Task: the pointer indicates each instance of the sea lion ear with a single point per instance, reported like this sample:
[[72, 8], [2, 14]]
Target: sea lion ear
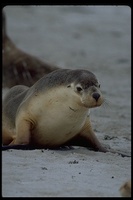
[[68, 86]]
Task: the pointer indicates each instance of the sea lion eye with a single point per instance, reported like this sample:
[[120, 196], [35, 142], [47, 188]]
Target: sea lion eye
[[79, 88], [97, 85]]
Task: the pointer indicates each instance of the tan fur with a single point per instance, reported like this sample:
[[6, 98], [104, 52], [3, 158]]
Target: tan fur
[[53, 119], [125, 189]]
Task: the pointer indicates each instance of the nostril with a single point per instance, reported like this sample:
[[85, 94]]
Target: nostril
[[96, 95]]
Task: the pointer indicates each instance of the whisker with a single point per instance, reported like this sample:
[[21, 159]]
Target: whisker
[[107, 104]]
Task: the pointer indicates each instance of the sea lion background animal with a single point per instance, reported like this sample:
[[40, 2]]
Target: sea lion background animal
[[53, 112], [20, 67]]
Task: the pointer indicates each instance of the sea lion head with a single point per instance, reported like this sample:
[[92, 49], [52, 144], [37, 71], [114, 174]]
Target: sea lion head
[[80, 85], [86, 86]]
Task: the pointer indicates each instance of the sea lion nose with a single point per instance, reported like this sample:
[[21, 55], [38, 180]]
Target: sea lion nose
[[96, 96]]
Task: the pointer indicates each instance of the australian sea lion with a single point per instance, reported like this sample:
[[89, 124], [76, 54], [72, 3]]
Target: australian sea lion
[[20, 67], [53, 112]]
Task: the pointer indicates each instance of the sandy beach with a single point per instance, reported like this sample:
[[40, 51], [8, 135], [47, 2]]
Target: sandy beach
[[97, 38]]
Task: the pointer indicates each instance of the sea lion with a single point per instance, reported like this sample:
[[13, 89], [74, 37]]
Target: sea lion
[[20, 67], [125, 189], [53, 112]]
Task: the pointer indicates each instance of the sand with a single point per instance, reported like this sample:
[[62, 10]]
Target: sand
[[97, 38]]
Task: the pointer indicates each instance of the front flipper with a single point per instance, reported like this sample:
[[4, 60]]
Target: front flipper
[[87, 138], [21, 139], [23, 132]]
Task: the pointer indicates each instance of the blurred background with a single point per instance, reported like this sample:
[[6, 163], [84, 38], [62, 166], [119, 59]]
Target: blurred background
[[73, 36]]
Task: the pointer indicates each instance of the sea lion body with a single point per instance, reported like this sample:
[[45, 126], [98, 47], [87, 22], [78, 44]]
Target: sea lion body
[[53, 112], [56, 119]]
